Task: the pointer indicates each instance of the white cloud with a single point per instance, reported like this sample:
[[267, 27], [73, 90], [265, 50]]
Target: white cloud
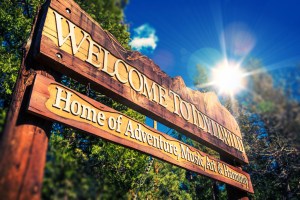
[[144, 39], [139, 43]]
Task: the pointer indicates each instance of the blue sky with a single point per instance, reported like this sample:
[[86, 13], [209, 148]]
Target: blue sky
[[178, 34], [190, 32]]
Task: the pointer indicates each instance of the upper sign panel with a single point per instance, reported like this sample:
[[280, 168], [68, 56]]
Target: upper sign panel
[[73, 43]]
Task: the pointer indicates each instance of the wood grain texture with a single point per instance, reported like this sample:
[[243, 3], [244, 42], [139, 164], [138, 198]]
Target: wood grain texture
[[77, 67], [23, 144], [46, 101]]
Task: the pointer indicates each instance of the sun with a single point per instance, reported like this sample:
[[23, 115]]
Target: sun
[[228, 77]]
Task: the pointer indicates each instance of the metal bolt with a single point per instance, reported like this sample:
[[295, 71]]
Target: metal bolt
[[35, 189], [58, 55]]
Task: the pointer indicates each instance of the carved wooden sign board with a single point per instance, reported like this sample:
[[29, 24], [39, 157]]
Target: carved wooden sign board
[[71, 42], [56, 102]]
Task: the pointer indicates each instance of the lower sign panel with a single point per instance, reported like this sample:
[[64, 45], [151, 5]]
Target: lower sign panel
[[54, 101]]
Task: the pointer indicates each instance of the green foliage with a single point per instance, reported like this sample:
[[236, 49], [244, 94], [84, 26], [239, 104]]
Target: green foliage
[[270, 124], [109, 14], [9, 65], [265, 106], [84, 167], [164, 182]]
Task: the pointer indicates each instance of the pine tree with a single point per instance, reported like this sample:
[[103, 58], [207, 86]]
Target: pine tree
[[271, 125]]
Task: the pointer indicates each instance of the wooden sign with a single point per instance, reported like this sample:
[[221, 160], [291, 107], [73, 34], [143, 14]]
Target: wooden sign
[[71, 42], [54, 101]]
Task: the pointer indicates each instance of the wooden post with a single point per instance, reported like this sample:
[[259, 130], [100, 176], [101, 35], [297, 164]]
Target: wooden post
[[23, 146], [24, 142], [215, 190], [22, 161], [234, 193]]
